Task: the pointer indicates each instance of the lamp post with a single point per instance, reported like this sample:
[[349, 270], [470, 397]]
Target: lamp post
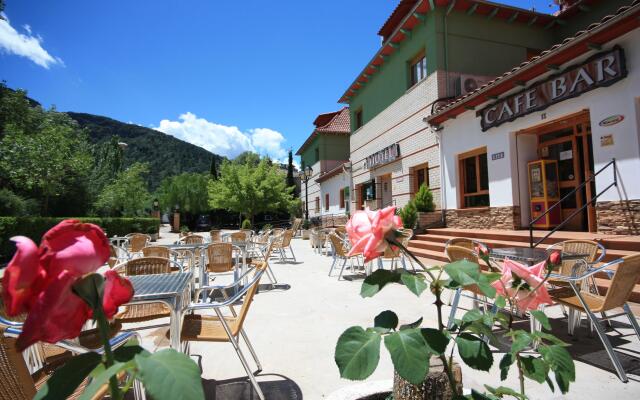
[[306, 174]]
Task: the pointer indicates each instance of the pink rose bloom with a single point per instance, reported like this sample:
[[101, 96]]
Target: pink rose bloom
[[513, 274], [368, 230], [40, 280], [117, 291]]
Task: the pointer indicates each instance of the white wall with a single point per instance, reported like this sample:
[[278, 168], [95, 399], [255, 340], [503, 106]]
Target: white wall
[[314, 191], [463, 134], [332, 186]]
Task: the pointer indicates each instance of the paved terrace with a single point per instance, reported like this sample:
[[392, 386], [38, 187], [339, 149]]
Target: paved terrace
[[294, 328]]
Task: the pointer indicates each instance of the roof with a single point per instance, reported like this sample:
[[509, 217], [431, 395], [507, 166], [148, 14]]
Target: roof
[[330, 174], [333, 123], [609, 28], [409, 19]]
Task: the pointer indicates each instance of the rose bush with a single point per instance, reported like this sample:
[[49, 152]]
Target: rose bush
[[368, 231]]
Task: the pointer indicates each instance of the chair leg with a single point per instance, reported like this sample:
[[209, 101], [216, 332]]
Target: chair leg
[[454, 307], [272, 277], [292, 254], [342, 269], [251, 350], [333, 265], [632, 319]]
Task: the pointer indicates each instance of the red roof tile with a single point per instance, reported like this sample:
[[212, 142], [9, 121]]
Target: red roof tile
[[334, 123], [402, 9]]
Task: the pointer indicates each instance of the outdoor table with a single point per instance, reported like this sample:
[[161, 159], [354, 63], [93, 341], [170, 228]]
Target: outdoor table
[[523, 254], [118, 241], [192, 248], [170, 289]]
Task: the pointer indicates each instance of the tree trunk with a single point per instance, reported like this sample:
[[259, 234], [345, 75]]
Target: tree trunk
[[435, 386]]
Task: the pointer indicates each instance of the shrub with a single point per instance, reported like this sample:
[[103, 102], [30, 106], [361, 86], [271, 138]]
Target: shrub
[[267, 227], [16, 206], [424, 199], [35, 227], [306, 224], [409, 215], [246, 224]]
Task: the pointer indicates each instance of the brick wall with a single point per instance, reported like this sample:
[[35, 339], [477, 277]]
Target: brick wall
[[619, 217], [484, 218]]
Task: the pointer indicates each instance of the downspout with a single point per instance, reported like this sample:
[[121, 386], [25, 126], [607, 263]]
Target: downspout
[[443, 192]]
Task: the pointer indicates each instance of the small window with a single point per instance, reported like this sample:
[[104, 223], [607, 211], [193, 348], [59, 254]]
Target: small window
[[418, 69], [317, 204], [420, 175], [317, 154], [358, 118], [326, 201], [342, 198], [474, 179]]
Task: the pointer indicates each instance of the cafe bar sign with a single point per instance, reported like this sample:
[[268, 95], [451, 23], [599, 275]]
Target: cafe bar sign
[[603, 69], [384, 156]]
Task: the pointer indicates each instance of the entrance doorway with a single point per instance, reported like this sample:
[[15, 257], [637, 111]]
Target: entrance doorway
[[568, 141], [387, 197]]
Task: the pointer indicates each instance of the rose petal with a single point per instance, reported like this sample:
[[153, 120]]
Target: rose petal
[[117, 291], [23, 278]]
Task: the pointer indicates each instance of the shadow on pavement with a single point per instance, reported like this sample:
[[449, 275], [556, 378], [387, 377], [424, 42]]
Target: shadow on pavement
[[274, 387]]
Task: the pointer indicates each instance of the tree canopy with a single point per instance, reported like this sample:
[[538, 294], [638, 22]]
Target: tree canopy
[[250, 189], [127, 195], [189, 191]]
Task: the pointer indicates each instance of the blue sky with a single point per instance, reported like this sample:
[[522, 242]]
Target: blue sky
[[223, 74]]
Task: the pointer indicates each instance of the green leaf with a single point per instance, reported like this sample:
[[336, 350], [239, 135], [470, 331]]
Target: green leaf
[[412, 325], [505, 363], [472, 315], [409, 354], [561, 364], [436, 340], [534, 368], [500, 302], [128, 352], [542, 317], [415, 283], [101, 379], [474, 352], [89, 288], [550, 383], [501, 391], [520, 341], [357, 353], [168, 375], [475, 395], [549, 337], [375, 282], [386, 319], [466, 273], [67, 378]]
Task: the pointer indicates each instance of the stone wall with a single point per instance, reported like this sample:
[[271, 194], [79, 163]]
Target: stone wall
[[619, 217], [484, 218], [329, 221], [429, 219]]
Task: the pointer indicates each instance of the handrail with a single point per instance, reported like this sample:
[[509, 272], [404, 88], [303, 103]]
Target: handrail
[[557, 204]]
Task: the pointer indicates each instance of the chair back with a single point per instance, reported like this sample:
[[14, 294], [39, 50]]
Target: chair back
[[338, 245], [277, 231], [588, 247], [16, 382], [192, 239], [156, 251], [138, 241], [238, 237], [459, 253], [148, 266], [113, 256], [462, 242], [220, 257], [216, 235], [248, 297], [286, 237], [296, 224], [623, 282], [247, 233]]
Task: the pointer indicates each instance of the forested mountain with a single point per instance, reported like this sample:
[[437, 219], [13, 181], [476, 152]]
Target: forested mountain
[[166, 155]]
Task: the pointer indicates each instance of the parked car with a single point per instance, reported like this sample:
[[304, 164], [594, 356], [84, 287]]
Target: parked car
[[203, 223]]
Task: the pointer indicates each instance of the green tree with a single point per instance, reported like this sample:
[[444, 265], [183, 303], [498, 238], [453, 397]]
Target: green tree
[[214, 169], [247, 157], [409, 215], [41, 151], [290, 181], [250, 190], [107, 165], [424, 199], [189, 191], [127, 195]]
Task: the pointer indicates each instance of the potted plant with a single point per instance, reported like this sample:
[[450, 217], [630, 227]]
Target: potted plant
[[153, 232], [306, 225], [426, 207], [415, 350]]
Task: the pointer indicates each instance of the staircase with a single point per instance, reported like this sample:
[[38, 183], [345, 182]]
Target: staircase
[[429, 247]]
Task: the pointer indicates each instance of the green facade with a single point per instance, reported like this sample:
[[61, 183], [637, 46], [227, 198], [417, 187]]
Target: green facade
[[329, 147]]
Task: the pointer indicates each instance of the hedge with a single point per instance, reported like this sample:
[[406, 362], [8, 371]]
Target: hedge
[[35, 227]]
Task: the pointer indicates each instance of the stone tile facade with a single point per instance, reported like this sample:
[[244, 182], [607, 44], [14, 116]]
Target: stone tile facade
[[619, 217], [484, 218]]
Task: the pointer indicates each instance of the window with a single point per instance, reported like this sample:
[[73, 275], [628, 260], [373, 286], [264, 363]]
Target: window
[[420, 175], [358, 118], [326, 201], [474, 179], [418, 69], [342, 197], [317, 154], [317, 204]]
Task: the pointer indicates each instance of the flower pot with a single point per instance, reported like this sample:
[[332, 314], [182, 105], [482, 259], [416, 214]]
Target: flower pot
[[435, 386], [305, 234]]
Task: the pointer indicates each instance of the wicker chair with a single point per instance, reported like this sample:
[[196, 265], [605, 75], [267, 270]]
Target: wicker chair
[[219, 257], [221, 328], [623, 280], [248, 233], [340, 253], [137, 241], [462, 242], [282, 243], [395, 254], [191, 239], [156, 251], [216, 235], [148, 311], [570, 265], [237, 237]]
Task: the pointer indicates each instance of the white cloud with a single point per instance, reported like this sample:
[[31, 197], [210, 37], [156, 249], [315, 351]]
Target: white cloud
[[225, 140], [25, 45]]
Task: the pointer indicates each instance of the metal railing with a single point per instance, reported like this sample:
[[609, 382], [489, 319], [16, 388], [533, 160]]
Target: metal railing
[[533, 244]]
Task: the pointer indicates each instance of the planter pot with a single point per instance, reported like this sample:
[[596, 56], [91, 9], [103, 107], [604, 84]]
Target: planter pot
[[429, 219], [154, 237], [364, 391], [435, 386], [305, 234]]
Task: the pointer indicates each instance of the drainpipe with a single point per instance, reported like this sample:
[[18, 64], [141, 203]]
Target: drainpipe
[[443, 192]]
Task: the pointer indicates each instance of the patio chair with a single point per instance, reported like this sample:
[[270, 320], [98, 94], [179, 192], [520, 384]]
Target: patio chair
[[248, 233], [219, 258], [395, 254], [341, 253], [137, 241], [221, 328], [282, 243], [216, 235], [264, 258], [295, 226], [238, 237], [462, 242], [459, 253], [594, 253], [623, 280], [191, 239], [148, 311]]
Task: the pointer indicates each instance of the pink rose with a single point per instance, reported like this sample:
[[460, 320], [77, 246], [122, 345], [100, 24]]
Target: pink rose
[[555, 258], [368, 231], [23, 278], [516, 275], [117, 291]]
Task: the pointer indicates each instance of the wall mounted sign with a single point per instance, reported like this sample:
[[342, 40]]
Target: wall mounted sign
[[497, 156], [612, 120], [384, 156], [602, 69], [606, 140]]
